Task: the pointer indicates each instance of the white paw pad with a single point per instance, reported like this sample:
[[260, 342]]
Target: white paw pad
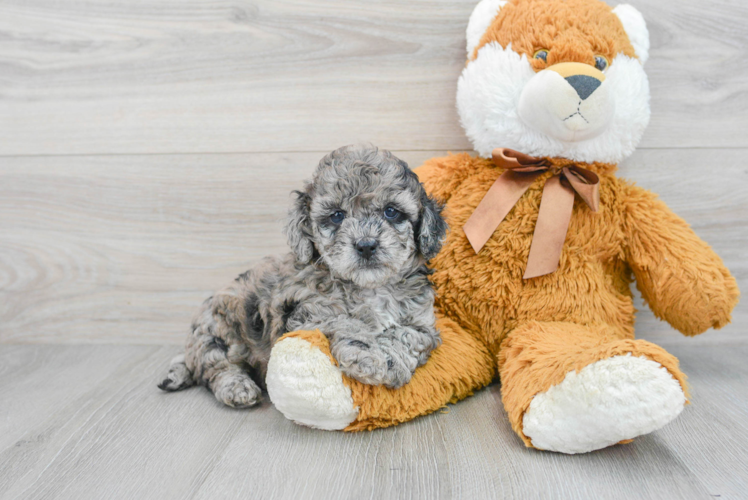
[[606, 402], [307, 388]]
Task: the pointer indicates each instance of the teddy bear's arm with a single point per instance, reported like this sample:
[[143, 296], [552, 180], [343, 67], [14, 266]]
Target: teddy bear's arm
[[682, 279], [441, 176]]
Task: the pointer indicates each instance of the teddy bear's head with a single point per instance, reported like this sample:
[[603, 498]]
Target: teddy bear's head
[[556, 78]]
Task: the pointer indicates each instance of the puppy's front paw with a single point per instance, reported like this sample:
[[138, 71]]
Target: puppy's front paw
[[360, 360], [373, 364], [400, 363], [236, 390]]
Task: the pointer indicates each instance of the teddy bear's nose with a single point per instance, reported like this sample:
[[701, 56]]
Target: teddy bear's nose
[[584, 85], [583, 78]]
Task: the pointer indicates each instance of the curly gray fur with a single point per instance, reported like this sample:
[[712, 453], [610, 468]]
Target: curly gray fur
[[361, 280]]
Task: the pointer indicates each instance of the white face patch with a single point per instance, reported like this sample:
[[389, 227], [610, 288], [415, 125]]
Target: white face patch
[[552, 106], [491, 89]]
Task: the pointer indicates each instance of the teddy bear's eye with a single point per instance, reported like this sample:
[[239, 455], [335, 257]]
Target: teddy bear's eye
[[601, 63], [541, 54]]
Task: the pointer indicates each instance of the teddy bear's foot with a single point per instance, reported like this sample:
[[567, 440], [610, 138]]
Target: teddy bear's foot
[[306, 386], [573, 388], [609, 401]]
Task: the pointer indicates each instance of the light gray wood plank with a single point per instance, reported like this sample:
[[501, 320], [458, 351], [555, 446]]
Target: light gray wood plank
[[112, 434], [716, 428], [93, 248], [200, 76], [123, 249]]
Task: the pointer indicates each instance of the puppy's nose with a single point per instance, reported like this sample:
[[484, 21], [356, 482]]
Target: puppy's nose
[[366, 248], [584, 85]]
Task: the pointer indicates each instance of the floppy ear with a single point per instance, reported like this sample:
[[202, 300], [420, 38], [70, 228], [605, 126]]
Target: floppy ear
[[480, 20], [299, 227], [431, 228], [636, 29]]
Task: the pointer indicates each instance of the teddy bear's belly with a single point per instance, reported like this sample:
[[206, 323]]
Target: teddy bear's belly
[[487, 294]]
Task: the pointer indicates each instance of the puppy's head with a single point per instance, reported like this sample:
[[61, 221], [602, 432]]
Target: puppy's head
[[366, 216]]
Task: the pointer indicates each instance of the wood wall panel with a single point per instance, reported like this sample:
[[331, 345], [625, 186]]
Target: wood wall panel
[[205, 76], [124, 248]]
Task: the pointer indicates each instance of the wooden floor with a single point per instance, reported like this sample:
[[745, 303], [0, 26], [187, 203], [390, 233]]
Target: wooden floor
[[88, 422], [147, 152]]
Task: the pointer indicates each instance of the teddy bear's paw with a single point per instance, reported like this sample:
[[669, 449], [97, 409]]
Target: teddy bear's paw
[[307, 387], [606, 402]]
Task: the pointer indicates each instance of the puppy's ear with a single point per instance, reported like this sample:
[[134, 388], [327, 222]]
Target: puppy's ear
[[299, 227], [432, 228]]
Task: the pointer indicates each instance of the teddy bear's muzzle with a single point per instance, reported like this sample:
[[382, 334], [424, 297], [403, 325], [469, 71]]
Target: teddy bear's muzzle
[[568, 102]]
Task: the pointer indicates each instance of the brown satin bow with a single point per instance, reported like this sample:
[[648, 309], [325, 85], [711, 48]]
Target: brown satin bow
[[556, 205]]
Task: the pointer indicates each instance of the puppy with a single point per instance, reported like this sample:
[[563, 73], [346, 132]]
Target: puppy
[[361, 232]]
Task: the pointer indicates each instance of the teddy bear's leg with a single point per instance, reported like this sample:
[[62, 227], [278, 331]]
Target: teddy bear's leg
[[305, 384], [574, 389]]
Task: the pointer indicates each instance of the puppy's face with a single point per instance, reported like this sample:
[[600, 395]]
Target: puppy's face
[[366, 216]]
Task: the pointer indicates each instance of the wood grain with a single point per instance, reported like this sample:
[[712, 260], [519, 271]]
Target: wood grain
[[123, 249], [94, 248], [88, 422], [148, 151], [207, 76]]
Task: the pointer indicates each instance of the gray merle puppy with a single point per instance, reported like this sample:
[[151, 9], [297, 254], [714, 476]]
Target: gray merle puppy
[[361, 232]]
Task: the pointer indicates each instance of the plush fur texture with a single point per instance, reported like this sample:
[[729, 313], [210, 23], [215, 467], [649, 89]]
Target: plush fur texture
[[604, 403], [578, 315], [636, 30], [306, 385], [537, 111], [539, 356], [457, 367], [373, 301], [554, 338], [480, 20]]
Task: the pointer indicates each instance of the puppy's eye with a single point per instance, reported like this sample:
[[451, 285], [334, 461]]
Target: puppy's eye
[[391, 213], [541, 54], [337, 217], [601, 63]]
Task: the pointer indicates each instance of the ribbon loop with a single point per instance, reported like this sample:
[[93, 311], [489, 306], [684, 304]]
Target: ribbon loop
[[586, 183], [518, 162], [556, 205]]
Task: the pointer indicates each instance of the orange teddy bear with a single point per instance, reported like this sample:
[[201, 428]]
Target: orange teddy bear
[[533, 281]]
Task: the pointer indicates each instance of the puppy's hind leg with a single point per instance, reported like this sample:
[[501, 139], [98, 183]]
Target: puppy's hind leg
[[216, 356], [233, 387], [179, 376]]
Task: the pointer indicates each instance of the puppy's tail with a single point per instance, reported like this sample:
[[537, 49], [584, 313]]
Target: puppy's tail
[[179, 376]]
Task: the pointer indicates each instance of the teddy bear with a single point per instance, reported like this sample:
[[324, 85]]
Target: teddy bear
[[533, 280]]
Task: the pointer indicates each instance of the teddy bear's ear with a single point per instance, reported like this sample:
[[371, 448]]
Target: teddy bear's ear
[[480, 20], [636, 29]]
